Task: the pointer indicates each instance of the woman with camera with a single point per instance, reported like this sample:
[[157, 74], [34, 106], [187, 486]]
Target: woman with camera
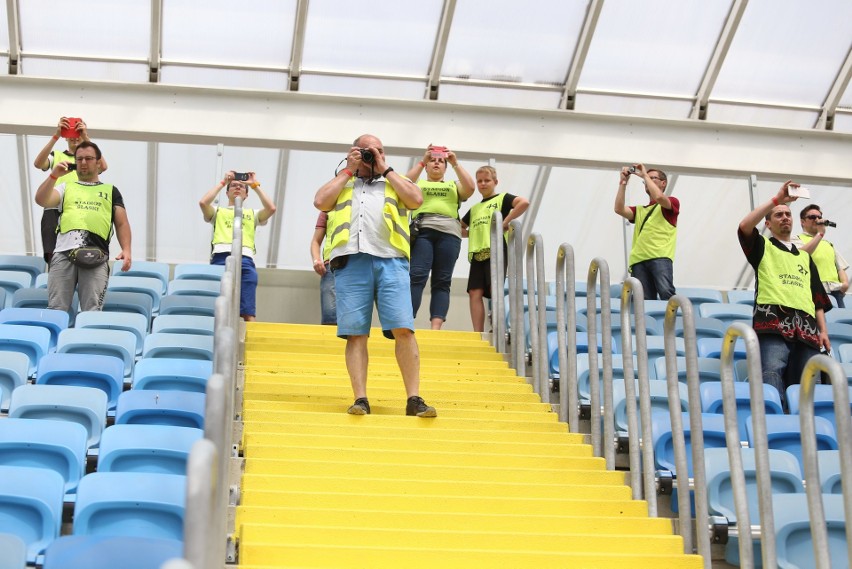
[[435, 229]]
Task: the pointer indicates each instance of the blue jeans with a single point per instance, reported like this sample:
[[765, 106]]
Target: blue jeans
[[783, 362], [656, 278], [328, 301], [437, 252], [248, 283], [839, 297]]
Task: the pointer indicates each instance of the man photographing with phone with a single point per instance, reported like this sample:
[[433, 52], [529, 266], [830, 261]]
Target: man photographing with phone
[[830, 263]]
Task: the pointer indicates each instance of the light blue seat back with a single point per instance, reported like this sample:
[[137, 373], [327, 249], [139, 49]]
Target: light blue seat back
[[709, 369], [829, 471], [95, 341], [727, 312], [704, 328], [149, 407], [14, 370], [711, 401], [14, 552], [794, 542], [656, 347], [170, 374], [839, 333], [845, 353], [840, 315], [197, 271], [110, 552], [712, 348], [188, 304], [661, 429], [59, 446], [132, 322], [41, 280], [120, 301], [130, 504], [33, 341], [55, 321], [30, 264], [83, 405], [823, 401], [31, 506], [195, 287], [783, 432], [583, 383], [656, 309], [184, 324], [745, 296], [582, 348], [147, 448], [146, 285], [104, 372], [149, 269], [186, 346], [700, 296], [659, 400], [11, 281]]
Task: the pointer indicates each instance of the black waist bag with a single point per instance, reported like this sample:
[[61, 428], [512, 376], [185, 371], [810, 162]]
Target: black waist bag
[[87, 257]]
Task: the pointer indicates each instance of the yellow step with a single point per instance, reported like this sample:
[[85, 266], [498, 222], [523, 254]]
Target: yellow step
[[447, 350], [465, 376], [389, 402], [385, 390], [456, 382], [316, 362]]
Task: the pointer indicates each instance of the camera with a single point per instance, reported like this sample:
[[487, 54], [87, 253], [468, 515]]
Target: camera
[[439, 152], [71, 166], [827, 223], [241, 176], [631, 169], [366, 156]]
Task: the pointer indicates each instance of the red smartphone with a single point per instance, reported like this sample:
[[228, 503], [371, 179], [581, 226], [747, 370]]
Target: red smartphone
[[439, 152], [71, 131]]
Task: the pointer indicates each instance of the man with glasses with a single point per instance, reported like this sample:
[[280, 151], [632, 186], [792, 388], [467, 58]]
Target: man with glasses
[[88, 209], [790, 302], [654, 233], [830, 263]]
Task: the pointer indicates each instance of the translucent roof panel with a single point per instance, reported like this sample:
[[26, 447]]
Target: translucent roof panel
[[748, 114], [505, 42], [499, 97], [786, 51], [85, 70], [4, 30], [633, 106], [113, 29], [843, 122], [361, 87], [401, 43], [12, 235], [223, 78], [256, 33], [658, 47]]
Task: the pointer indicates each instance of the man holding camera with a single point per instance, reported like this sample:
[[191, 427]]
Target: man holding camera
[[830, 263], [222, 218], [88, 211], [790, 302], [367, 204], [654, 233]]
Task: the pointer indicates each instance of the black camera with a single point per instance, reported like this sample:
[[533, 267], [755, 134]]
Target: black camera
[[632, 169], [827, 223], [72, 166], [241, 176], [367, 156]]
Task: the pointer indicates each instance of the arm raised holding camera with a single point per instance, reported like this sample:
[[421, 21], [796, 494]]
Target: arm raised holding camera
[[326, 196], [269, 208]]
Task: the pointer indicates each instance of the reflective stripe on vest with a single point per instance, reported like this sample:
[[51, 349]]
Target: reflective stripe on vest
[[657, 237], [438, 197], [479, 232], [223, 228], [784, 278], [824, 259], [88, 208]]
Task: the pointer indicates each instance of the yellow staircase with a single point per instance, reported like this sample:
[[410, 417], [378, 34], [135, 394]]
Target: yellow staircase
[[494, 481]]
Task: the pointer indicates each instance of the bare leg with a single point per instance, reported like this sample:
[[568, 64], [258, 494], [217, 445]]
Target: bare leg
[[248, 318], [356, 363], [477, 309], [408, 359], [437, 323]]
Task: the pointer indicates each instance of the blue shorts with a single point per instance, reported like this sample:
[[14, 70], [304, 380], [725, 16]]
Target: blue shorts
[[366, 279], [248, 283]]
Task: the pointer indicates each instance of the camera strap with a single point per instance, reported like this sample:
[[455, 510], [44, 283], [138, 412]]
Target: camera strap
[[644, 221]]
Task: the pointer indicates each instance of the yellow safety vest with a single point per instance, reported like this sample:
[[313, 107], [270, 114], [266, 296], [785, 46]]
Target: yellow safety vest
[[824, 259], [479, 232], [59, 156], [88, 208], [438, 197], [223, 227], [654, 238], [785, 279]]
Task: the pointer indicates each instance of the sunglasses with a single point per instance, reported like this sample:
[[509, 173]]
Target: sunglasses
[[813, 217]]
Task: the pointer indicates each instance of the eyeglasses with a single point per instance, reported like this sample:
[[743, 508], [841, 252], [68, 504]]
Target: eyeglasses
[[86, 158], [813, 217]]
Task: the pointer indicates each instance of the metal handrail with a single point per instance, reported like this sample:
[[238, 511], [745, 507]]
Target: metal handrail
[[516, 297], [760, 445], [536, 301], [202, 474], [599, 270], [566, 337], [498, 308], [843, 424], [696, 427]]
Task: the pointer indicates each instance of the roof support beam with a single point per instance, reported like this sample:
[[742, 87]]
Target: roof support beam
[[275, 223], [14, 36], [829, 107], [155, 50], [541, 178], [191, 115], [298, 48], [587, 32], [26, 199], [152, 183], [440, 49], [729, 30]]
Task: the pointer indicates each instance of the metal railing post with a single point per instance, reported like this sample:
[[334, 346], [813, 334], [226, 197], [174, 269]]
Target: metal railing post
[[237, 255], [566, 335], [202, 480], [537, 308], [516, 297], [599, 270], [498, 308]]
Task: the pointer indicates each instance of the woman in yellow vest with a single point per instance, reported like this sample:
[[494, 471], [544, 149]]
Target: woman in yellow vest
[[436, 231], [222, 219]]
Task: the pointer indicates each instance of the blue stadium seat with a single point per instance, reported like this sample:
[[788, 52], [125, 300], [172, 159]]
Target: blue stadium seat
[[130, 504], [37, 298], [583, 387], [55, 321], [188, 304], [149, 269], [727, 312], [14, 552], [195, 287], [823, 401], [110, 552], [615, 307], [14, 371], [59, 446], [41, 280], [184, 324], [3, 298], [783, 433], [145, 285], [655, 346], [117, 343], [149, 407], [712, 348], [700, 296], [582, 348], [32, 341], [161, 449], [659, 400], [704, 328], [839, 333], [742, 296], [31, 506], [794, 543], [709, 369], [170, 374], [11, 281], [131, 322], [652, 328], [102, 372], [711, 401], [829, 471], [82, 405], [138, 302], [661, 429], [185, 346], [197, 271], [844, 351], [30, 264], [656, 309], [839, 315]]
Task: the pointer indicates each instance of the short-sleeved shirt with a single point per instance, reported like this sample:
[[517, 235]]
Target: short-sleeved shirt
[[790, 323], [226, 247], [504, 211], [368, 232], [80, 237], [322, 220]]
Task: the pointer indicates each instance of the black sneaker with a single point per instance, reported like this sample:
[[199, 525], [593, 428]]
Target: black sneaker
[[416, 406], [360, 407]]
